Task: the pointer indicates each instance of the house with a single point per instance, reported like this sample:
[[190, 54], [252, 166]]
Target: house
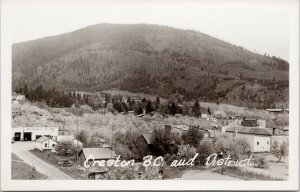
[[253, 122], [259, 139], [279, 135], [45, 143], [97, 173], [97, 153], [70, 138], [33, 133], [176, 129]]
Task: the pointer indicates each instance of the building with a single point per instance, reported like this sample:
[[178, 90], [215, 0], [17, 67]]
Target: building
[[176, 129], [17, 97], [97, 173], [259, 139], [45, 143], [97, 153], [33, 133], [253, 122], [204, 115], [71, 139]]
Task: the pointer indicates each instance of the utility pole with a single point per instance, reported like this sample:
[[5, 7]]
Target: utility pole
[[77, 133]]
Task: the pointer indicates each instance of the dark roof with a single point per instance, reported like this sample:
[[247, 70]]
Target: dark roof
[[249, 123], [274, 110], [147, 137], [98, 153], [249, 130]]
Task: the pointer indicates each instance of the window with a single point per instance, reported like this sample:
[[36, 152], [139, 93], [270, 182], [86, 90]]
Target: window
[[268, 142], [257, 143], [45, 144], [53, 145]]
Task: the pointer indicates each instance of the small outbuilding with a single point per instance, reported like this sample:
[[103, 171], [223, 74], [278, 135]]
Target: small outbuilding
[[45, 143]]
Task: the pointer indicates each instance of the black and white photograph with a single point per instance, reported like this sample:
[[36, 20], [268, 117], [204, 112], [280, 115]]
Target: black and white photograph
[[133, 91]]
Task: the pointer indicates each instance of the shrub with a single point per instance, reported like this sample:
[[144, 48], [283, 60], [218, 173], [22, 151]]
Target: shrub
[[205, 149], [260, 162], [65, 148], [186, 152], [192, 137], [279, 151], [164, 143], [133, 142], [237, 149]]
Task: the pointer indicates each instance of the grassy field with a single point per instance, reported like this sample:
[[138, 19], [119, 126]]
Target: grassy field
[[23, 171], [53, 159]]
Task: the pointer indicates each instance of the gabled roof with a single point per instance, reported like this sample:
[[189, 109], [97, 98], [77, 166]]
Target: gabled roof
[[98, 153], [43, 139], [249, 130]]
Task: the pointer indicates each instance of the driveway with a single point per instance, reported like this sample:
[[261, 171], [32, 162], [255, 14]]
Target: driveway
[[21, 150]]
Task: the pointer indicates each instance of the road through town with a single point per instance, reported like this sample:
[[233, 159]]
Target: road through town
[[21, 150]]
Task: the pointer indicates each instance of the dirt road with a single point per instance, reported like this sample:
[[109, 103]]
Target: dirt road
[[21, 150]]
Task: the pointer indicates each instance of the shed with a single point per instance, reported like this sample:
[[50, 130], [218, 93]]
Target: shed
[[45, 143]]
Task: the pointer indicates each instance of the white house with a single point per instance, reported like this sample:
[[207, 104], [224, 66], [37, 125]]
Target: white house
[[70, 138], [259, 139], [33, 133], [45, 143]]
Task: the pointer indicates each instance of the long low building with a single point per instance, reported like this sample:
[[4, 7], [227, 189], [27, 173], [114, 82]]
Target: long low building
[[33, 133], [259, 139]]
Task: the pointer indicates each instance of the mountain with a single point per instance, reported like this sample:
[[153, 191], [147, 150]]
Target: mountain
[[151, 59]]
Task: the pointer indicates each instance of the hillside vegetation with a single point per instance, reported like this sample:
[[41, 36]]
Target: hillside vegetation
[[154, 60]]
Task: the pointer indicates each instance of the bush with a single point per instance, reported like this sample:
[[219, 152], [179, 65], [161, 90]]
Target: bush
[[205, 149], [237, 149], [164, 143], [260, 162], [186, 152], [134, 145], [192, 137], [65, 148], [279, 151]]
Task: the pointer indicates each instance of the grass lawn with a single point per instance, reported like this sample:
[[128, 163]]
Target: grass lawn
[[246, 175], [23, 171], [53, 159]]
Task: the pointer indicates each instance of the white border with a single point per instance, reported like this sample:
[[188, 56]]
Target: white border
[[8, 184]]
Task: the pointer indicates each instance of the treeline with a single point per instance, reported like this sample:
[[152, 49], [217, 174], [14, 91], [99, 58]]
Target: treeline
[[53, 97]]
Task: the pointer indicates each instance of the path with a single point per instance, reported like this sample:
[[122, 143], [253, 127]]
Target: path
[[21, 150]]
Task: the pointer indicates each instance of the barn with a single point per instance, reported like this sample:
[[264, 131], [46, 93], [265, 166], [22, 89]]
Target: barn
[[33, 133], [45, 143]]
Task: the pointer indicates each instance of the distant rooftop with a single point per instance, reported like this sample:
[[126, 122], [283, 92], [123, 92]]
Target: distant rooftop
[[249, 130], [98, 153]]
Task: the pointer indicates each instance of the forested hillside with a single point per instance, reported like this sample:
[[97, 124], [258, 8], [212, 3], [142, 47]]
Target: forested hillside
[[151, 59]]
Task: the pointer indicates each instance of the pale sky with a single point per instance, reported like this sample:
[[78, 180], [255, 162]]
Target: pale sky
[[261, 26]]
